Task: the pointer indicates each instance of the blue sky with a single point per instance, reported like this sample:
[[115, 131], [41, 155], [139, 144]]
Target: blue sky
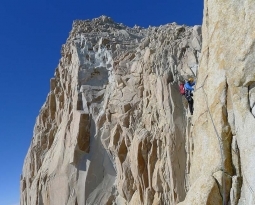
[[31, 36]]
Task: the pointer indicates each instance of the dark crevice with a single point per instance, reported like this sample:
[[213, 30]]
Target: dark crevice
[[251, 87], [235, 158], [218, 185], [237, 178]]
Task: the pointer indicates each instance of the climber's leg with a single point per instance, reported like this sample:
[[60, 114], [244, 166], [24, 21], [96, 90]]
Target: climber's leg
[[191, 102]]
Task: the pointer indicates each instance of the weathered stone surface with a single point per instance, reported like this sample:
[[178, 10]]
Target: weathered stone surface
[[113, 128], [224, 102], [204, 191]]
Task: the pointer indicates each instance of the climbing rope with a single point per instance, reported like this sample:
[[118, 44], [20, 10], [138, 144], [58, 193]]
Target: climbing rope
[[217, 134], [224, 202], [221, 149]]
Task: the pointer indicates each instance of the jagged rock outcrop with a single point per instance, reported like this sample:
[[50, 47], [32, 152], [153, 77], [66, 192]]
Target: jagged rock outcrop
[[223, 139], [113, 129]]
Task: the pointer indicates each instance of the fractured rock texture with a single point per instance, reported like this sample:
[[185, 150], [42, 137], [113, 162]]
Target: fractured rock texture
[[223, 139], [113, 129]]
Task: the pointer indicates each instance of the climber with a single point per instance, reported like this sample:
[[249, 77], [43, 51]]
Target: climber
[[188, 93]]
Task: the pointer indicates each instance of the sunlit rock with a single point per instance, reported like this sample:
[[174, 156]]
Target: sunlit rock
[[113, 127]]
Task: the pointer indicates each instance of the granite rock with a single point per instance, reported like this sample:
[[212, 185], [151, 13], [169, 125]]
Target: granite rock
[[113, 127]]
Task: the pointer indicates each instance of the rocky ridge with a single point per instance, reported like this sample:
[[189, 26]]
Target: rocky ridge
[[113, 129]]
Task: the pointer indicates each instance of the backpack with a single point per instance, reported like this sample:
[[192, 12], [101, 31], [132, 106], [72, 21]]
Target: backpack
[[182, 89]]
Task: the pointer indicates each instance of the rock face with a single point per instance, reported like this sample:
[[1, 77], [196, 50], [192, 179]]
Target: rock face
[[223, 139], [113, 129]]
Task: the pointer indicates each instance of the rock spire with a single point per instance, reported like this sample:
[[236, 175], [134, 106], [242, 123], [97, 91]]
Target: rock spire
[[113, 129]]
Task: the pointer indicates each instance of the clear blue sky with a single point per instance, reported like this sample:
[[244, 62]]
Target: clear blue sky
[[31, 36]]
